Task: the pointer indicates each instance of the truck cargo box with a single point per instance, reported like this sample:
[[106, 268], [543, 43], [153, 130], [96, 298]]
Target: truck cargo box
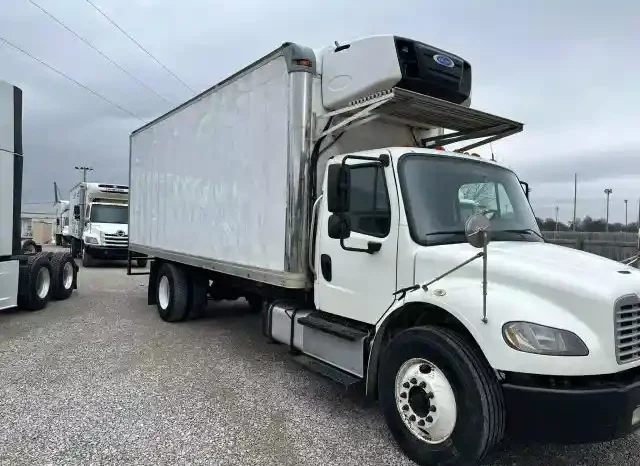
[[219, 181]]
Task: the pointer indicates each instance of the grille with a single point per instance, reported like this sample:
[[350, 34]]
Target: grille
[[116, 240], [627, 325]]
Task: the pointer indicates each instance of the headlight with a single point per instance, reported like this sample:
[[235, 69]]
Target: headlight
[[539, 339], [90, 240]]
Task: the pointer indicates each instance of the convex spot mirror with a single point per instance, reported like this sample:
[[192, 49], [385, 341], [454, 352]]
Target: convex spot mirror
[[338, 187], [339, 227], [477, 229]]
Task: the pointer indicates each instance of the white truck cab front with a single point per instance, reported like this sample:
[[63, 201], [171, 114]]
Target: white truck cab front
[[562, 327]]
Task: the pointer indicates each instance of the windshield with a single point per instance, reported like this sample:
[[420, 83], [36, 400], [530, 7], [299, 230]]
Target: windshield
[[441, 192], [102, 213]]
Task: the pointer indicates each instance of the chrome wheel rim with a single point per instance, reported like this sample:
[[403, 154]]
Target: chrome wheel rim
[[425, 401], [43, 282], [67, 275], [164, 292]]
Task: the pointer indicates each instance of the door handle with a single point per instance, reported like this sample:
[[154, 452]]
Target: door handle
[[325, 266]]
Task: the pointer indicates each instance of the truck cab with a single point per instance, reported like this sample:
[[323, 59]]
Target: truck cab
[[99, 224], [61, 226]]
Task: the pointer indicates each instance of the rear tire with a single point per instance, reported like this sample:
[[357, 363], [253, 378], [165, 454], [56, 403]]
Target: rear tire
[[34, 289], [64, 275], [198, 295], [255, 303], [477, 408], [172, 293]]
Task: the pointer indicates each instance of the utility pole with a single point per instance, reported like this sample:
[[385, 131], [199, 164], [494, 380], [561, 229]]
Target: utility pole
[[575, 198], [84, 172], [626, 221], [608, 192], [557, 209]]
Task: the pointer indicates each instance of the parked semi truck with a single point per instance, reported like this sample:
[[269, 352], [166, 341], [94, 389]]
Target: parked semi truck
[[99, 222], [316, 184], [27, 281]]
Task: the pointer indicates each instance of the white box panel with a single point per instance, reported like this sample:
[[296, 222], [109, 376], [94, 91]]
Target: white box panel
[[210, 179]]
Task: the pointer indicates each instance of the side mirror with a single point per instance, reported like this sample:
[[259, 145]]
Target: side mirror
[[478, 230], [338, 187], [57, 221], [339, 227], [525, 188]]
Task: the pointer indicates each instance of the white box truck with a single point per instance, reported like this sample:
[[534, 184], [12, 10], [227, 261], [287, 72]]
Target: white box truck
[[315, 184], [99, 222], [27, 281]]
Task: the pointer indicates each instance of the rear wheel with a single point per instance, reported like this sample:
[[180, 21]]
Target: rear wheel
[[34, 289], [63, 275], [255, 303], [172, 293], [440, 399]]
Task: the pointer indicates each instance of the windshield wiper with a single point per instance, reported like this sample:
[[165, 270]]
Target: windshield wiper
[[450, 232], [524, 231]]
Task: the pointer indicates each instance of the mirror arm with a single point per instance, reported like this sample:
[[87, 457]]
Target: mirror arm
[[372, 247]]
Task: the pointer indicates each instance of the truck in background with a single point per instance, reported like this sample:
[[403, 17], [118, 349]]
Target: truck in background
[[99, 222], [316, 184], [61, 213], [27, 281]]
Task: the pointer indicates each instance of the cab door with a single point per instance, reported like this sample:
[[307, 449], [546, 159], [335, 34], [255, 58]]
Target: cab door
[[356, 278]]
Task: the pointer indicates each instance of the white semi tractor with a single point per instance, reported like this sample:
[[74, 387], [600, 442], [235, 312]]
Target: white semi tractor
[[27, 281], [315, 184], [99, 215]]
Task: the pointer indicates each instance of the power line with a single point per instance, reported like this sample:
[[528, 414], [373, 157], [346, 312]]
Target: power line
[[98, 51], [110, 102], [139, 46]]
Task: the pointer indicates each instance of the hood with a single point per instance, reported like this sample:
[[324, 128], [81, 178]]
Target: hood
[[539, 268], [108, 228]]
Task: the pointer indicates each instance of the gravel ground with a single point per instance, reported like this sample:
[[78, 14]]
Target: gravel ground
[[100, 379]]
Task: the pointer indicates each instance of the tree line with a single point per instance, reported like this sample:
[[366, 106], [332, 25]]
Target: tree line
[[586, 224]]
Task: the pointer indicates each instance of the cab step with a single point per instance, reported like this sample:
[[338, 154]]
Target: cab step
[[326, 370], [322, 322]]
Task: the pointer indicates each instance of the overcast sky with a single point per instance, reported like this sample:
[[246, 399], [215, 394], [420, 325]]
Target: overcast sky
[[568, 70]]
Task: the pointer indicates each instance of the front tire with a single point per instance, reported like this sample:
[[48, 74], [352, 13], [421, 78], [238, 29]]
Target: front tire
[[87, 260], [440, 398], [172, 293], [34, 289]]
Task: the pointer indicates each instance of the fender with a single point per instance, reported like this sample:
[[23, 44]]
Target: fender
[[419, 297]]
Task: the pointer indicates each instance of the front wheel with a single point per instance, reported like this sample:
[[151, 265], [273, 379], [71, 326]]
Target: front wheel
[[440, 398], [87, 260]]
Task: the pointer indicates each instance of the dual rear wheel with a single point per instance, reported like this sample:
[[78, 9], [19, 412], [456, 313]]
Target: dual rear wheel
[[44, 277]]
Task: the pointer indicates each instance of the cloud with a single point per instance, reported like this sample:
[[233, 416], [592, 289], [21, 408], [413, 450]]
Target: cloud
[[564, 69]]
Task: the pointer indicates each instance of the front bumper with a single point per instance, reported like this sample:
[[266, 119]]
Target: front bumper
[[106, 252], [575, 410]]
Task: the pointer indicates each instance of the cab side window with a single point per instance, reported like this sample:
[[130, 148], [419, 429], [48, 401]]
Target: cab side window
[[370, 211]]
